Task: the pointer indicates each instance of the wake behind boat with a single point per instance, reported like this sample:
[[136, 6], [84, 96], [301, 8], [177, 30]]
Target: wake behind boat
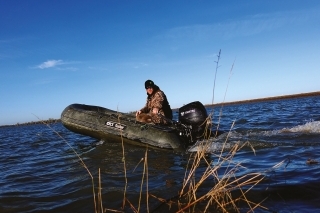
[[106, 124]]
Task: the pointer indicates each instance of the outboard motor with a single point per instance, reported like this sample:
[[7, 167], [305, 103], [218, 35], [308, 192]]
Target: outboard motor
[[193, 117]]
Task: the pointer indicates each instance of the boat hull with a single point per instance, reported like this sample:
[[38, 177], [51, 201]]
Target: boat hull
[[106, 124]]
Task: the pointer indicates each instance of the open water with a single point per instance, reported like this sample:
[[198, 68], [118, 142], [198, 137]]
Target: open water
[[39, 172]]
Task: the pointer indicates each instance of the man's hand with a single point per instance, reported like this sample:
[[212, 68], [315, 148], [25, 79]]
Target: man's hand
[[138, 112], [155, 110]]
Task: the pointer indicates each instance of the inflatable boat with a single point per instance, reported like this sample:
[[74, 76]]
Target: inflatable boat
[[105, 124]]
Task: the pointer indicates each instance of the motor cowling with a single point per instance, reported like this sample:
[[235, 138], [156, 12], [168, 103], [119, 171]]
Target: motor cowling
[[193, 116]]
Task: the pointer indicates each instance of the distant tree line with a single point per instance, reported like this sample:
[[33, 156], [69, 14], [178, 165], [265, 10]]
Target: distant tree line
[[282, 97], [49, 121]]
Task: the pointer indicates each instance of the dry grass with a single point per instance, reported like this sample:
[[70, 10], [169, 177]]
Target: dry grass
[[224, 174], [195, 195], [192, 197]]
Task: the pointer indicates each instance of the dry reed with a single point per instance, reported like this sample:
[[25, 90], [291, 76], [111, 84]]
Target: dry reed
[[98, 206], [191, 197]]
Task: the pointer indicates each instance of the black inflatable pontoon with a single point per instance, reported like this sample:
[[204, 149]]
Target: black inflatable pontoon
[[106, 124]]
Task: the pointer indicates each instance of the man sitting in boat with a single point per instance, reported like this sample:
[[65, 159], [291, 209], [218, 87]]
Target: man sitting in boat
[[157, 109]]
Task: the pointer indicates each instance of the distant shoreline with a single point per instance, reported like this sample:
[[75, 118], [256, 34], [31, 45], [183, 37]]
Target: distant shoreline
[[49, 121], [282, 97]]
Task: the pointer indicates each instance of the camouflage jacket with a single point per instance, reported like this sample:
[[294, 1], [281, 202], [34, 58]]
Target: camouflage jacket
[[158, 100]]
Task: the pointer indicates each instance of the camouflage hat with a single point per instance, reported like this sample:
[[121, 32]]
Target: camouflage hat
[[148, 83]]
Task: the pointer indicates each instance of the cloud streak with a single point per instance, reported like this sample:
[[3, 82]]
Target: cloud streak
[[50, 64], [247, 26]]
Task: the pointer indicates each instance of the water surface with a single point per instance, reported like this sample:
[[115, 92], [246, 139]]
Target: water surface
[[40, 172]]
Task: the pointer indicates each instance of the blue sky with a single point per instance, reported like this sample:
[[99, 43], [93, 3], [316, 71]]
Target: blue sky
[[55, 53]]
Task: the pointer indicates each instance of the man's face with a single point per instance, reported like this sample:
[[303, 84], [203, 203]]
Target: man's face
[[149, 90]]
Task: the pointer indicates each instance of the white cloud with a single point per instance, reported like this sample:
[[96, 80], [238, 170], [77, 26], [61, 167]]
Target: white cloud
[[50, 64]]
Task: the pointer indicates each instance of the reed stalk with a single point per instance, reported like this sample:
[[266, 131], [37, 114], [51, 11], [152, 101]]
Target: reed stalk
[[96, 202], [220, 196], [222, 172], [124, 166]]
